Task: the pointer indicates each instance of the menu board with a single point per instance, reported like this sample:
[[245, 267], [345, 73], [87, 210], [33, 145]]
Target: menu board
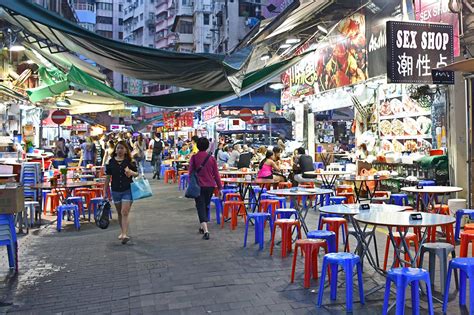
[[403, 124]]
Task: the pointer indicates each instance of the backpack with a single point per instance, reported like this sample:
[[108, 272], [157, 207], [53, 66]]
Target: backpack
[[157, 147], [102, 215]]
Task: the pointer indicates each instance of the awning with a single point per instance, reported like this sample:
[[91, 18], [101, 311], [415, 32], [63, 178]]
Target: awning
[[81, 103], [466, 65], [252, 101]]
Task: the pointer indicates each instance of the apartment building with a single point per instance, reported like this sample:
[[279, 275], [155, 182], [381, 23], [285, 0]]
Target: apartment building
[[62, 7]]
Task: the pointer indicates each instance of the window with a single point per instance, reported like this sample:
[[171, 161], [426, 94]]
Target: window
[[186, 27], [141, 17], [206, 19], [207, 48], [152, 1], [104, 20], [120, 35], [104, 6], [120, 7], [141, 1], [120, 21]]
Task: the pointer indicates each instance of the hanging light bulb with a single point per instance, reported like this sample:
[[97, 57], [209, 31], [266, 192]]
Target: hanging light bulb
[[293, 40], [16, 48], [322, 29], [265, 57]]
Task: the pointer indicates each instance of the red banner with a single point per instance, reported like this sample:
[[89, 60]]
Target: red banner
[[175, 121], [210, 113]]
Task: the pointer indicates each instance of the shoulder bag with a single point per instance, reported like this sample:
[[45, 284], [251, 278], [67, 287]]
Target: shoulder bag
[[194, 190], [140, 187]]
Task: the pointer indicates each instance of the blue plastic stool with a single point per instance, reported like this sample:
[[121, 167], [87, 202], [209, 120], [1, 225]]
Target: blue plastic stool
[[402, 277], [218, 205], [265, 196], [459, 214], [254, 192], [183, 181], [324, 199], [328, 236], [466, 267], [337, 200], [61, 210], [318, 165], [399, 199], [282, 200], [230, 186], [259, 219], [226, 191], [284, 213], [347, 261], [8, 238], [427, 182], [164, 168], [79, 202]]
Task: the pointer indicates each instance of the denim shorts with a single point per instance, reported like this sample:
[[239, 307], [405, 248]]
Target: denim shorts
[[119, 196]]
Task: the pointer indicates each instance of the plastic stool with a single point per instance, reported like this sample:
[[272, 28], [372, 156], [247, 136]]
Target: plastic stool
[[337, 200], [333, 224], [236, 208], [466, 267], [459, 214], [97, 192], [283, 185], [285, 225], [226, 191], [427, 182], [269, 206], [281, 200], [310, 248], [170, 174], [52, 200], [233, 196], [218, 205], [284, 213], [259, 219], [265, 196], [469, 227], [402, 277], [348, 195], [399, 199], [66, 208], [328, 236], [79, 202], [87, 195], [410, 237], [441, 250], [344, 189], [466, 238], [255, 192], [318, 165], [183, 181], [347, 261], [31, 208]]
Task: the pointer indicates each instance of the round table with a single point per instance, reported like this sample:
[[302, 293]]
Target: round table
[[237, 173], [300, 192], [328, 177], [361, 182], [429, 195], [402, 219]]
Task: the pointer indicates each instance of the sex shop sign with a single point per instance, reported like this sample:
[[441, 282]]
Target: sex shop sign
[[415, 50]]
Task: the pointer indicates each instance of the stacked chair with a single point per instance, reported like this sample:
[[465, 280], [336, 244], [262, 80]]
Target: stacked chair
[[8, 239], [30, 176]]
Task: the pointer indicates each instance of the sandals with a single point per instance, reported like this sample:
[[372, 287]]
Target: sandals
[[125, 240]]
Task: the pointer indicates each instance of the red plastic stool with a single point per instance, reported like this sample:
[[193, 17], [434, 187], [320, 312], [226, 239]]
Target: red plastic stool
[[233, 196], [87, 195], [310, 248], [286, 226], [344, 189], [410, 237], [469, 227], [52, 202], [97, 192], [266, 203], [283, 185], [170, 174], [349, 196], [333, 224], [466, 238], [236, 208]]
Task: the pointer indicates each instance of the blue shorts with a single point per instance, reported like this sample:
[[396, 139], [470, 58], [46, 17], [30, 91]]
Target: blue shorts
[[119, 196]]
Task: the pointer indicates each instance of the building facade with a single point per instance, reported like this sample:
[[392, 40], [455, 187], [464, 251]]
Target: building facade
[[62, 7]]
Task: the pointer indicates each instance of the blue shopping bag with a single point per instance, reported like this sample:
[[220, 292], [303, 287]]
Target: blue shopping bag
[[140, 188]]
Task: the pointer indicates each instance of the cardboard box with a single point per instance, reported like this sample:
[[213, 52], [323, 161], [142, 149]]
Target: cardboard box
[[12, 200]]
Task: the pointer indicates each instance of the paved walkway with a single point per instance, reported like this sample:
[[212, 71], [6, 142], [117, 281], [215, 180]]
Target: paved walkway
[[166, 269]]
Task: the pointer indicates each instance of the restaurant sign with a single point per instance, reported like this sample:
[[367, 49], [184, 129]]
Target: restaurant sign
[[210, 113], [415, 49]]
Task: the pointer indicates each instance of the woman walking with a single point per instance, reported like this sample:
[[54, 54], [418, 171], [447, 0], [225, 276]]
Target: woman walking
[[121, 169], [205, 166], [139, 149]]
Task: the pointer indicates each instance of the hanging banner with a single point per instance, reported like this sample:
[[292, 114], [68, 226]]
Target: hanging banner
[[414, 49], [210, 113], [437, 11], [185, 119]]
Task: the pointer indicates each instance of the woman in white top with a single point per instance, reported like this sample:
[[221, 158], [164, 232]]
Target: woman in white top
[[108, 152]]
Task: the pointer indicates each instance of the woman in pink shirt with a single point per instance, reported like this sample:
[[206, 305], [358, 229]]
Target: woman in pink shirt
[[208, 178], [267, 166]]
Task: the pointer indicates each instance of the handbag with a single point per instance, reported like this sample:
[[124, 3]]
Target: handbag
[[102, 215], [140, 188], [194, 190]]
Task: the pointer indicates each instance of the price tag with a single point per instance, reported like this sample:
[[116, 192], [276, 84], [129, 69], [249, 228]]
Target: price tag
[[364, 207], [419, 187], [416, 216]]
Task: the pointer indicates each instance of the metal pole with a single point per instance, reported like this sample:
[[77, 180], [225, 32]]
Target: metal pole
[[468, 89], [270, 122]]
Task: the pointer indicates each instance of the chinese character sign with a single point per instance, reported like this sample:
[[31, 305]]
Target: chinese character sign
[[415, 49]]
